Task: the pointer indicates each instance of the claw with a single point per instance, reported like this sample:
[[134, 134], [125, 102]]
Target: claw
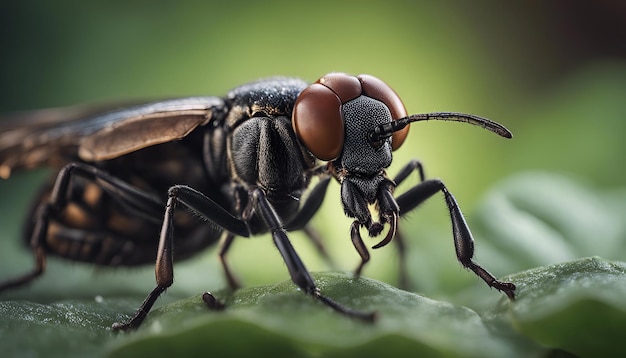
[[392, 232]]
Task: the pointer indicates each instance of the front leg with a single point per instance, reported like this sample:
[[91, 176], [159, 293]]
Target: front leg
[[463, 240]]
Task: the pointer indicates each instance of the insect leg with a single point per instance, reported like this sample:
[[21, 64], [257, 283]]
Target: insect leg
[[463, 240], [299, 274], [310, 206], [40, 265], [410, 167], [37, 245], [308, 209], [204, 207], [403, 272], [233, 282], [134, 199], [314, 236]]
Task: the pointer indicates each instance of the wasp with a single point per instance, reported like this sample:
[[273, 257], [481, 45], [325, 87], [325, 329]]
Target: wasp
[[132, 182]]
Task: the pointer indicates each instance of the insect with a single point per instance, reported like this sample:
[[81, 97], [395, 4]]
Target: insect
[[132, 182]]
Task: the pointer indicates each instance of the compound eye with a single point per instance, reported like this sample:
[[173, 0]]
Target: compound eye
[[318, 123], [346, 87], [377, 89]]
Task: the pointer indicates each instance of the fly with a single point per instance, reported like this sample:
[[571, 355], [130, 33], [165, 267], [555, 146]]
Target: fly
[[131, 181]]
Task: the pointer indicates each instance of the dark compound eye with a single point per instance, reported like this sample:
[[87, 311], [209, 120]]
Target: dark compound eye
[[317, 119], [377, 89]]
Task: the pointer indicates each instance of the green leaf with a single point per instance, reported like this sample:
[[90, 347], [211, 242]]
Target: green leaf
[[278, 319], [576, 306], [60, 329], [298, 324]]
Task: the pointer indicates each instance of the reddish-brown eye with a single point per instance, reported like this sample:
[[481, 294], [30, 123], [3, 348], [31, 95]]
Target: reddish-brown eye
[[377, 89], [346, 87], [318, 123]]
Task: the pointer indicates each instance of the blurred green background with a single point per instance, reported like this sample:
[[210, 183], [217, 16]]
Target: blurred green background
[[554, 74]]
